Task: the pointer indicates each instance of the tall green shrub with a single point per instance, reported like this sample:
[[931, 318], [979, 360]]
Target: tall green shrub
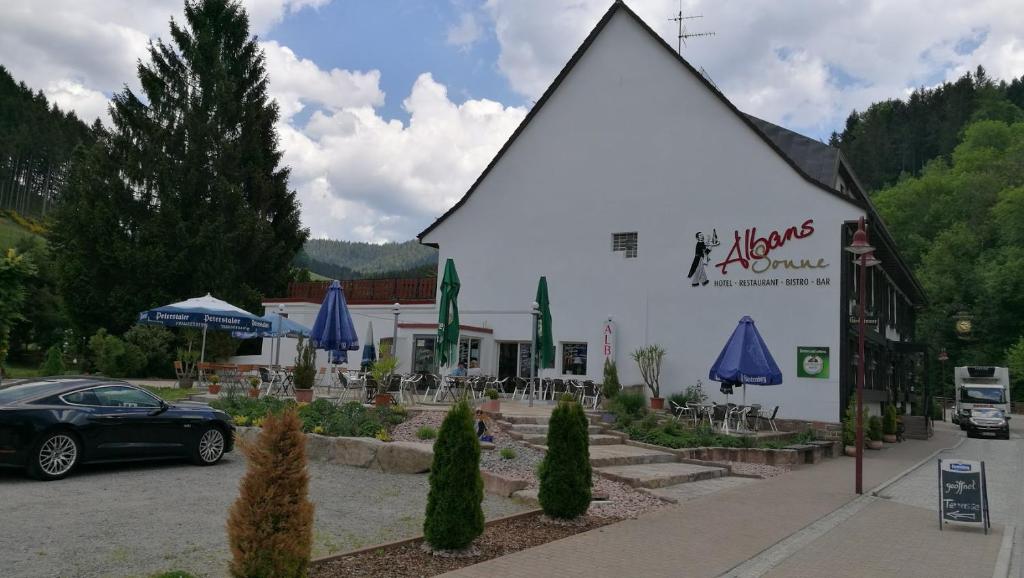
[[115, 358], [454, 516], [610, 387], [54, 364], [874, 432], [889, 422], [850, 422], [565, 475], [157, 345]]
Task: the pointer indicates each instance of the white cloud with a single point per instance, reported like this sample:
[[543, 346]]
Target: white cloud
[[465, 32], [297, 81], [805, 64], [360, 176], [264, 14], [88, 104]]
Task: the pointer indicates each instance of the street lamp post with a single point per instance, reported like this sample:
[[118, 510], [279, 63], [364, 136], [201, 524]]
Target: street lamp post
[[535, 317], [943, 358], [396, 309], [860, 247], [280, 313]]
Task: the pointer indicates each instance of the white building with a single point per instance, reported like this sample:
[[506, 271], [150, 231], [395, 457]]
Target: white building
[[629, 165]]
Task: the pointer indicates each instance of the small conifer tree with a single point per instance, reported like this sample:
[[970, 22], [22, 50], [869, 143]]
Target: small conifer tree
[[565, 476], [610, 387], [54, 363], [454, 516], [270, 525]]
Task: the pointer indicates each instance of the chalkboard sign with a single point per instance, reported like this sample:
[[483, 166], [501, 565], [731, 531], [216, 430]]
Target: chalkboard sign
[[963, 497]]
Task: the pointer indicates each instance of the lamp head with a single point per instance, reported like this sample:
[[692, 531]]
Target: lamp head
[[859, 245]]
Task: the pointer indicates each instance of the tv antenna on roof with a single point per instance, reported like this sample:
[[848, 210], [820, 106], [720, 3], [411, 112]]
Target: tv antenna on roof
[[683, 34]]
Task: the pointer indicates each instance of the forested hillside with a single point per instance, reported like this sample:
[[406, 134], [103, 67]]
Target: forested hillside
[[900, 136], [354, 260], [36, 141]]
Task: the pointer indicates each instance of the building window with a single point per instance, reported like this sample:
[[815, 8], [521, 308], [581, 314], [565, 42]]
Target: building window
[[469, 351], [423, 354], [574, 358], [625, 243]]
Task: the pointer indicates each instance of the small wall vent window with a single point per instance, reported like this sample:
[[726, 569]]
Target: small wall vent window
[[626, 243]]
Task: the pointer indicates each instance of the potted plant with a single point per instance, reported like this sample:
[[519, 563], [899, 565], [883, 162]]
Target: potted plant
[[493, 403], [889, 425], [254, 386], [305, 371], [381, 372], [875, 432], [648, 359], [188, 359], [214, 386]]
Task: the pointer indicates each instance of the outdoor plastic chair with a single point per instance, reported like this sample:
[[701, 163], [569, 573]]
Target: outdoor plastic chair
[[591, 394], [770, 418], [680, 410]]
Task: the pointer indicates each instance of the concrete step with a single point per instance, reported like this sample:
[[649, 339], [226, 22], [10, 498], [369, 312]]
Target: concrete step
[[533, 428], [526, 419], [680, 493], [659, 475], [623, 455], [595, 439]]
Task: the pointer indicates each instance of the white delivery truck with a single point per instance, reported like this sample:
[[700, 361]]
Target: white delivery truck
[[980, 387]]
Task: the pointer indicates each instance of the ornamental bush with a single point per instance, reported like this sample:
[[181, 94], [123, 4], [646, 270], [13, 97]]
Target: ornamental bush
[[54, 364], [270, 525], [889, 423], [850, 423], [454, 515], [874, 428], [610, 387], [565, 472]]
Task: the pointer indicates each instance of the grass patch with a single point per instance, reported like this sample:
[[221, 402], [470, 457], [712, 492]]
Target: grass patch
[[426, 433], [11, 232], [169, 394], [20, 372], [507, 454]]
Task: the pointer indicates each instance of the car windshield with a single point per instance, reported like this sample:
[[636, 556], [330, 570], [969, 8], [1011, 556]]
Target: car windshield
[[981, 395], [986, 412]]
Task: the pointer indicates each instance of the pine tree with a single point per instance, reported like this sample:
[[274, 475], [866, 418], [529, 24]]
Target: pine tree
[[565, 475], [270, 525], [192, 168], [454, 516]]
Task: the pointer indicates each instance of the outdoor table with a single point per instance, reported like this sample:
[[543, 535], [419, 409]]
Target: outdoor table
[[448, 386]]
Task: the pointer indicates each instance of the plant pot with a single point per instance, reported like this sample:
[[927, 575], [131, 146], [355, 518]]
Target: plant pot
[[303, 395], [491, 405], [850, 451], [254, 393], [889, 438], [382, 399], [657, 403], [874, 444], [213, 388]]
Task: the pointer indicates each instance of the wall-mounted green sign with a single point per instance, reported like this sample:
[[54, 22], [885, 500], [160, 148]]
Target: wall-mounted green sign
[[812, 362]]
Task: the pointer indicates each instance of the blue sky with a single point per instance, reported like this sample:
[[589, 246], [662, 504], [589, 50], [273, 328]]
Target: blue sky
[[404, 40], [390, 109]]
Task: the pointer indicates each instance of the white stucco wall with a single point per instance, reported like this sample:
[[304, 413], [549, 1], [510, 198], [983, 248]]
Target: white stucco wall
[[631, 141]]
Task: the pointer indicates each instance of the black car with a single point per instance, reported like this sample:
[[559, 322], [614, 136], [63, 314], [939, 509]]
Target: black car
[[51, 425], [986, 422]]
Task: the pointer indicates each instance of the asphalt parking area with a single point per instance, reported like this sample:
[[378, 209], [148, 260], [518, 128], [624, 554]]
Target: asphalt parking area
[[141, 519]]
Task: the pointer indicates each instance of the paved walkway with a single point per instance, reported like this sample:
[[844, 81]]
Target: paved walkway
[[711, 535]]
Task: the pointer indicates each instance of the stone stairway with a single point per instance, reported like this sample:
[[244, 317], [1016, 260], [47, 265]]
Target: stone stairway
[[659, 473]]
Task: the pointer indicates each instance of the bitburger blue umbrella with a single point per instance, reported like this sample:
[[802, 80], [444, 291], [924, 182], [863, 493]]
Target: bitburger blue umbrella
[[745, 360], [205, 313], [333, 329]]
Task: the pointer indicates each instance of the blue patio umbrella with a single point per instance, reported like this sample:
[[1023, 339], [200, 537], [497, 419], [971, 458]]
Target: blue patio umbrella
[[204, 313], [369, 349], [333, 330], [280, 326], [745, 360]]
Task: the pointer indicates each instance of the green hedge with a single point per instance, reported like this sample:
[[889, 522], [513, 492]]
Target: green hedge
[[322, 416]]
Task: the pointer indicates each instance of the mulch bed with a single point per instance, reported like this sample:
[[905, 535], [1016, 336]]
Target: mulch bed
[[408, 560]]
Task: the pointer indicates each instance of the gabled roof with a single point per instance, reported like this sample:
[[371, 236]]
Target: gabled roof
[[806, 156], [817, 159]]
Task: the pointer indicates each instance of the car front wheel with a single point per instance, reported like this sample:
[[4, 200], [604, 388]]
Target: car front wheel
[[55, 456], [210, 447]]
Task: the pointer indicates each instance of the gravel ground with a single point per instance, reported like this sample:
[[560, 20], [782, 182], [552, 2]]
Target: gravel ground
[[140, 519], [406, 431]]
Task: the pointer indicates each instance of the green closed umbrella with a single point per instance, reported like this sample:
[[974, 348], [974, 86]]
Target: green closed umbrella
[[545, 340], [448, 315]]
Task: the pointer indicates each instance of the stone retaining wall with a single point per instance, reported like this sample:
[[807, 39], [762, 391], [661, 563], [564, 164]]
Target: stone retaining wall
[[387, 457], [764, 456]]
